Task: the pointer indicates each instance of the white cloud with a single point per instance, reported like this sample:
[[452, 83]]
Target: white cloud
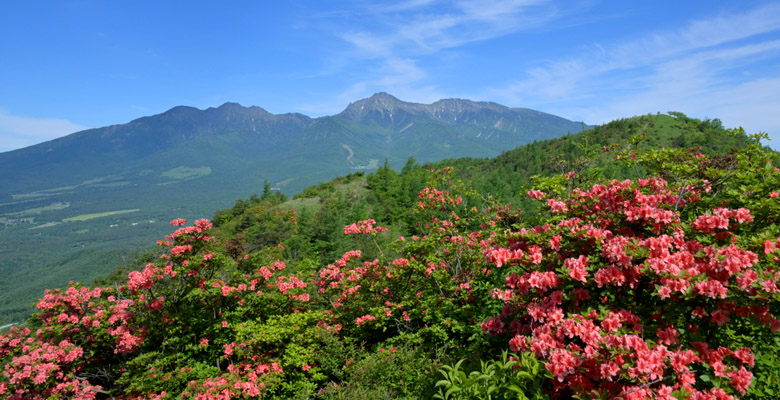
[[17, 132], [337, 104], [399, 36], [422, 27], [722, 67], [401, 75], [752, 105]]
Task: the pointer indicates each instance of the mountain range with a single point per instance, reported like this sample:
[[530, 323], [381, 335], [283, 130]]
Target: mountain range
[[236, 139], [76, 207]]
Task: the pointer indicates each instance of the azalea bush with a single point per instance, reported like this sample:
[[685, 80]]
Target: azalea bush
[[661, 287], [621, 297], [646, 288]]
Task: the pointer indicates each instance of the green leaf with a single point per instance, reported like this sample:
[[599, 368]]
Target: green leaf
[[452, 390], [442, 383], [515, 388]]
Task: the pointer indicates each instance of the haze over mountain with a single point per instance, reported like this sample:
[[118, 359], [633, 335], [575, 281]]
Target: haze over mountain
[[74, 206]]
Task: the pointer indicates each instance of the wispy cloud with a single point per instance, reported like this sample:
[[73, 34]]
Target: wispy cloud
[[423, 27], [700, 69], [394, 39], [17, 132], [397, 76]]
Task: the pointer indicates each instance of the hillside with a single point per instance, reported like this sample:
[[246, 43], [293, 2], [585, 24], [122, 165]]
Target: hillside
[[321, 211], [592, 154], [385, 195], [413, 285]]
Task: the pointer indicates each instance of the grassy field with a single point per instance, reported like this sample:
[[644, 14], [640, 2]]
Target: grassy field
[[311, 204], [182, 172], [38, 210], [46, 225], [85, 217]]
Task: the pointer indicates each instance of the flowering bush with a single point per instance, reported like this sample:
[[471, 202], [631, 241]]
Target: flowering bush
[[638, 289], [627, 299], [363, 227]]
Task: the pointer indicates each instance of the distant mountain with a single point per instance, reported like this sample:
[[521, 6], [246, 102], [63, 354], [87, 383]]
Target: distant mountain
[[487, 116], [232, 138], [223, 138], [76, 206]]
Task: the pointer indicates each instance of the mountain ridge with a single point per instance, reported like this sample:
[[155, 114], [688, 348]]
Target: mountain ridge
[[440, 109], [251, 133], [445, 110]]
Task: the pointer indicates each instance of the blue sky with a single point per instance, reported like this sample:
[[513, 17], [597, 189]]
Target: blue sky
[[72, 65]]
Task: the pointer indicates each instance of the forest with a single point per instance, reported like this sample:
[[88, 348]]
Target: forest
[[635, 260]]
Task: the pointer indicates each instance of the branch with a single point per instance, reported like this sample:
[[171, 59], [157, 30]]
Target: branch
[[373, 239], [103, 392], [648, 384]]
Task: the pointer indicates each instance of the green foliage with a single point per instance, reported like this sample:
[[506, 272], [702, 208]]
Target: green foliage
[[391, 372], [590, 155], [766, 381], [153, 372], [510, 377]]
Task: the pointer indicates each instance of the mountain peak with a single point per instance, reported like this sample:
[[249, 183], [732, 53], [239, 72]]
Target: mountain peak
[[384, 97], [229, 105], [175, 113], [380, 106], [235, 110], [388, 109], [379, 100]]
